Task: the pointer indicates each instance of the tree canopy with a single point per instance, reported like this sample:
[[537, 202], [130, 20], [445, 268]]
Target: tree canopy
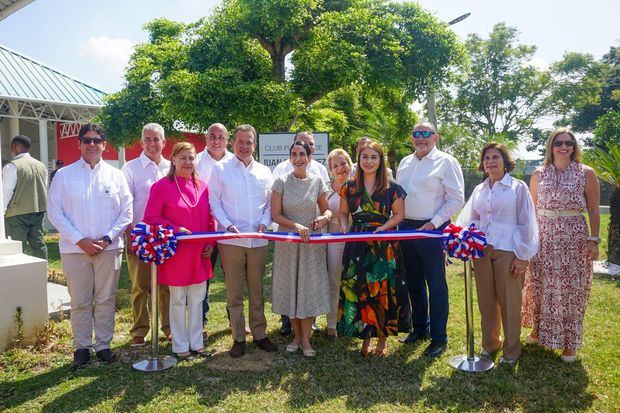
[[499, 94], [230, 67]]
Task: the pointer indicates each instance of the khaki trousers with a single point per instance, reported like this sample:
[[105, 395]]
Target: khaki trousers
[[140, 276], [244, 266], [92, 283], [499, 301]]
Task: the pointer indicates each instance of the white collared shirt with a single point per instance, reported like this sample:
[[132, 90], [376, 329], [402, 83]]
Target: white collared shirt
[[434, 186], [506, 214], [141, 173], [205, 163], [241, 196], [89, 203], [314, 168]]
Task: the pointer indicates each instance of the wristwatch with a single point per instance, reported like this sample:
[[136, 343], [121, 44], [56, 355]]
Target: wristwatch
[[595, 239], [106, 239]]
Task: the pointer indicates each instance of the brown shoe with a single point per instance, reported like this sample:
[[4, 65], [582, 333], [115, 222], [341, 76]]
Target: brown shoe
[[238, 349], [137, 341], [266, 345]]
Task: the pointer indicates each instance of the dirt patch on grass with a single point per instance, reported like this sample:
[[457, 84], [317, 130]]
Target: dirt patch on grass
[[256, 360]]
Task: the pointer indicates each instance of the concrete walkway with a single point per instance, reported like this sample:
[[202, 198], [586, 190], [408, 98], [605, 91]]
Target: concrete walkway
[[58, 300]]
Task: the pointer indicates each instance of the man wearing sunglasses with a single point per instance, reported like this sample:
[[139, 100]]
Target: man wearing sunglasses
[[90, 205], [434, 184]]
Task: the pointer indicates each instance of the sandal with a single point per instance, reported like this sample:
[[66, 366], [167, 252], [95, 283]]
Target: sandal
[[184, 355], [365, 348], [203, 353], [381, 349]]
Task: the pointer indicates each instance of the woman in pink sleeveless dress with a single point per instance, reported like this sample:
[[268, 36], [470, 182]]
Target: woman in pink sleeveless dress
[[558, 284]]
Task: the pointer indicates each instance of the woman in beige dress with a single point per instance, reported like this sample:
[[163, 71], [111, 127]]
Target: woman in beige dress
[[300, 285]]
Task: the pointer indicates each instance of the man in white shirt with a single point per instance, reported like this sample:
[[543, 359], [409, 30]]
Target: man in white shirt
[[434, 184], [314, 168], [216, 142], [141, 173], [24, 181], [239, 195], [89, 203]]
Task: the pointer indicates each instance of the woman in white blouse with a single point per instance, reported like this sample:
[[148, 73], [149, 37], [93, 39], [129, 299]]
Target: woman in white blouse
[[502, 207]]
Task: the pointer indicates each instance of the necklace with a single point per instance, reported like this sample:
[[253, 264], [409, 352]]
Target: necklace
[[189, 204]]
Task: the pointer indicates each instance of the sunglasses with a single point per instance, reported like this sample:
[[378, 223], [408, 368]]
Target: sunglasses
[[96, 141], [569, 144], [422, 134]]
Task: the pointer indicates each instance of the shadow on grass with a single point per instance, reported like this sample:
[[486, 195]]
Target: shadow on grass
[[540, 382]]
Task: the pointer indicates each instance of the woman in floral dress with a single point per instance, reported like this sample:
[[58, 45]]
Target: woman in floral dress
[[370, 304], [557, 288]]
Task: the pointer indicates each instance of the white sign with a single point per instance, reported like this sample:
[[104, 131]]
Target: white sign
[[273, 147]]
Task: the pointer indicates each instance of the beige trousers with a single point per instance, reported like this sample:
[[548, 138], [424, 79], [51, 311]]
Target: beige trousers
[[499, 301], [244, 266], [140, 276], [92, 283]]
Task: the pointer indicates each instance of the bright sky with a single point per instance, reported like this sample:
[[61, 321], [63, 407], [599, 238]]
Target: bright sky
[[92, 40]]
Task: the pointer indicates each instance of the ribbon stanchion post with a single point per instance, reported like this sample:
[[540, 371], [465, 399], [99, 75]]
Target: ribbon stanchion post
[[467, 244], [153, 244]]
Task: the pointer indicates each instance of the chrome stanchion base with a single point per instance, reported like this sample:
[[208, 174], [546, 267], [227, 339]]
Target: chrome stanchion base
[[155, 364], [471, 365]]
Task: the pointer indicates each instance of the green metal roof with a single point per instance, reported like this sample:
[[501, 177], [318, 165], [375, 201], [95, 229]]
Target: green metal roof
[[23, 78]]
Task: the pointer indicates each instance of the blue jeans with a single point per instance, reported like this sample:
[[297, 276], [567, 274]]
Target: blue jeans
[[426, 282]]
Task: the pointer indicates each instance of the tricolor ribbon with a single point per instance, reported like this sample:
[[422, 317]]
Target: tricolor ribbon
[[315, 238], [156, 243], [464, 243], [153, 243]]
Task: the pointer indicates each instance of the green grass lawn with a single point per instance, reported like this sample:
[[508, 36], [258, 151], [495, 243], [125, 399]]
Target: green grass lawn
[[39, 378]]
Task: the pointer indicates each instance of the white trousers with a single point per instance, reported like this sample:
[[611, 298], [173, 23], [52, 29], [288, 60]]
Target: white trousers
[[186, 317], [334, 267]]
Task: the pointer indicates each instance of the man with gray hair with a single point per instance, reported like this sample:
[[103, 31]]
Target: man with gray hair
[[216, 142], [140, 174], [24, 181], [434, 184]]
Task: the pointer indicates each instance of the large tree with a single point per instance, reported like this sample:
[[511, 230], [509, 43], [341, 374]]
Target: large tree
[[587, 89], [230, 68], [499, 94]]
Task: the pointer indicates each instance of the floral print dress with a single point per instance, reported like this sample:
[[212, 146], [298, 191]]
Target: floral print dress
[[373, 295], [558, 285]]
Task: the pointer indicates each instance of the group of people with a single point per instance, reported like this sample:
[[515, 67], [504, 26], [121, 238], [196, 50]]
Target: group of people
[[536, 269]]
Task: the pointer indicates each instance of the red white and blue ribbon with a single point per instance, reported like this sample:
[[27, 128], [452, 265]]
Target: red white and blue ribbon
[[464, 243], [156, 243], [153, 243], [315, 238]]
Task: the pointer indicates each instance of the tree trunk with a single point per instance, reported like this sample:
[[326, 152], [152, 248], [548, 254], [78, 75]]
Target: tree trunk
[[392, 160], [279, 68], [613, 238]]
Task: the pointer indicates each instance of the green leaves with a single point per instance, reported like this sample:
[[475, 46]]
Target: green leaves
[[231, 67]]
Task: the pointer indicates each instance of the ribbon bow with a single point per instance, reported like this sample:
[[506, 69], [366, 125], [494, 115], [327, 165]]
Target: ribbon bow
[[153, 243], [463, 243]]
